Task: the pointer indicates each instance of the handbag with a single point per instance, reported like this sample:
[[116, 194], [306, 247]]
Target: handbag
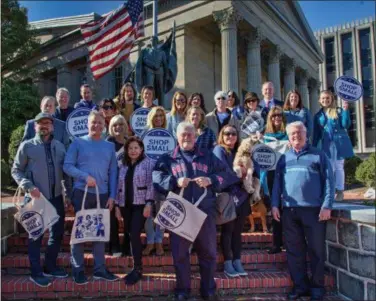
[[180, 216], [225, 208], [91, 225], [36, 216]]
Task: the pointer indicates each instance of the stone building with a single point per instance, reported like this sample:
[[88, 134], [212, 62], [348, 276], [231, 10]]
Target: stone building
[[220, 45], [350, 50]]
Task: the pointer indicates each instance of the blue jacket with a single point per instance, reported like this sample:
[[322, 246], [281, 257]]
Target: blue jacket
[[86, 104], [173, 122], [303, 115], [169, 168], [327, 130], [62, 115], [60, 131], [303, 180], [206, 140], [228, 158]]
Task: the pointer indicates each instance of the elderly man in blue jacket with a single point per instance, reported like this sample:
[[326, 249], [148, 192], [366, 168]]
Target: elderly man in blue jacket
[[304, 184], [194, 170]]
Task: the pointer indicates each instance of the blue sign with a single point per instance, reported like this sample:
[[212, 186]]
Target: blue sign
[[265, 156], [348, 88], [138, 120], [158, 142], [77, 122]]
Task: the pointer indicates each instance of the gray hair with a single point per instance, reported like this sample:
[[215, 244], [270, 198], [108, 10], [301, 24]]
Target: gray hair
[[62, 90], [94, 114], [184, 127], [295, 124], [268, 83], [47, 98], [220, 94]]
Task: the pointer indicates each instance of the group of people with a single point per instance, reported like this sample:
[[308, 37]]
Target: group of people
[[300, 191]]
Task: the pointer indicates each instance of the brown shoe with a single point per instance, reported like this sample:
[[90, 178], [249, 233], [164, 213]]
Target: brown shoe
[[159, 250], [149, 248]]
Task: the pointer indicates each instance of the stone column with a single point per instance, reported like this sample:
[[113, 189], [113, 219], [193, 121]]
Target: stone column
[[227, 21], [64, 77], [303, 88], [39, 83], [289, 76], [274, 70], [254, 61], [314, 96]]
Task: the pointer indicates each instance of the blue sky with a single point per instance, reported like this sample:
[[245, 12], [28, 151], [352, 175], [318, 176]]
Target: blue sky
[[320, 14]]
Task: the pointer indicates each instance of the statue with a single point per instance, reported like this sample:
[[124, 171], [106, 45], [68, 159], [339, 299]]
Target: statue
[[157, 67]]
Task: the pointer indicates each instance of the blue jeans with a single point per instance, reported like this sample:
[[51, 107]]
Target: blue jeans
[[54, 242], [153, 236], [77, 250]]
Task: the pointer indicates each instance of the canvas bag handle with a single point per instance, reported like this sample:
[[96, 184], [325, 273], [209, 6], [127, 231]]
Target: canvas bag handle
[[97, 194], [16, 197], [199, 200]]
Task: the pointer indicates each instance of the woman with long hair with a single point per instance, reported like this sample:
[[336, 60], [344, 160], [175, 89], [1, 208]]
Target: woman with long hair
[[294, 110], [134, 199], [125, 103], [225, 150], [205, 137], [154, 234], [275, 130], [178, 111], [118, 130], [330, 135], [233, 104], [197, 100], [107, 108]]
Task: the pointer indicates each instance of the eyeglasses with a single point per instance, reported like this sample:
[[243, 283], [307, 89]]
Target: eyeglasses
[[182, 100], [230, 134], [106, 108], [221, 98], [251, 100], [276, 115]]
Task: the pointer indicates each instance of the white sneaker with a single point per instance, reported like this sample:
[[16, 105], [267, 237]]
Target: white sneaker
[[116, 255]]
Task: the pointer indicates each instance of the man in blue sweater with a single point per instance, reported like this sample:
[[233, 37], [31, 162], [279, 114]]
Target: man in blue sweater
[[304, 184], [92, 161]]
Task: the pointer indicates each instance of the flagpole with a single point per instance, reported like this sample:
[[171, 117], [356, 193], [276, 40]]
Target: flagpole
[[155, 18]]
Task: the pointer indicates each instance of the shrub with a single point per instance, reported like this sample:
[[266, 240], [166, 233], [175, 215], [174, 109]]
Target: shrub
[[365, 173], [5, 174], [351, 165], [15, 141]]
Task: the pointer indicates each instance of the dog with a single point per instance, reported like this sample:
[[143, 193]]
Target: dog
[[243, 167]]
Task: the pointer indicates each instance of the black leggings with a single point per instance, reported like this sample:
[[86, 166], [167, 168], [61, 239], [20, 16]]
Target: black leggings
[[133, 224], [231, 233]]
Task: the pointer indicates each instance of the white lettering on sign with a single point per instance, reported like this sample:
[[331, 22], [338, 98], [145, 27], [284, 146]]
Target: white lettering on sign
[[158, 142], [77, 122], [138, 120], [348, 88]]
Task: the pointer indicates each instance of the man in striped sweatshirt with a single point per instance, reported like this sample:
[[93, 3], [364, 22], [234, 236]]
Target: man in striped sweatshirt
[[304, 188]]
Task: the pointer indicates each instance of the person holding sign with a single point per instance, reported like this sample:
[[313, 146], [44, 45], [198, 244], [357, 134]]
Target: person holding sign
[[91, 161], [38, 169], [205, 137], [330, 135], [125, 103], [294, 110], [231, 240], [275, 131], [193, 170], [118, 130], [135, 196], [304, 188], [197, 100], [154, 238], [147, 97], [178, 111]]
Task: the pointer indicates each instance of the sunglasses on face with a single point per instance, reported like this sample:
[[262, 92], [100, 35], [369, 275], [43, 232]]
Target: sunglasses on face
[[107, 108], [221, 98], [182, 100], [234, 134], [251, 100], [276, 115]]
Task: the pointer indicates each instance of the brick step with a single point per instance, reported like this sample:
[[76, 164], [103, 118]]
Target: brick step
[[18, 243], [152, 284], [251, 259]]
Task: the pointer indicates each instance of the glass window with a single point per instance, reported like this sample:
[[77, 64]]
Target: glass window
[[117, 80], [330, 61], [367, 81]]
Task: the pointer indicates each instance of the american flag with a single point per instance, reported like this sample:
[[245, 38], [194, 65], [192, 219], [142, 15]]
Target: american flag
[[110, 39]]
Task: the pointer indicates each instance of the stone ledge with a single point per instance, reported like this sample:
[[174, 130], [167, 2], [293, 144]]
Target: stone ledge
[[353, 212]]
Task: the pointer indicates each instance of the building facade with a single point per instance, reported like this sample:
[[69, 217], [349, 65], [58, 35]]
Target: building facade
[[221, 45], [350, 50]]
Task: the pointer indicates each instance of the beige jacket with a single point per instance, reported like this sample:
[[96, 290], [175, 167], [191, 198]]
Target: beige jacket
[[213, 123]]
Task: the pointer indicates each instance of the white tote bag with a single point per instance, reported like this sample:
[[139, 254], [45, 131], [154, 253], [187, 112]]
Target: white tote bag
[[180, 216], [279, 146], [36, 216], [91, 224]]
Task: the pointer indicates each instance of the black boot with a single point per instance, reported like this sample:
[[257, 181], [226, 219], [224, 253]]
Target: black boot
[[134, 276], [127, 245]]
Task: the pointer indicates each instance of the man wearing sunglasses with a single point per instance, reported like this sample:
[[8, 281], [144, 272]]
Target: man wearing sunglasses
[[221, 115]]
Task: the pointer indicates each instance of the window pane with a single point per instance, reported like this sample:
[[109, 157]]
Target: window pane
[[330, 63], [367, 81]]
